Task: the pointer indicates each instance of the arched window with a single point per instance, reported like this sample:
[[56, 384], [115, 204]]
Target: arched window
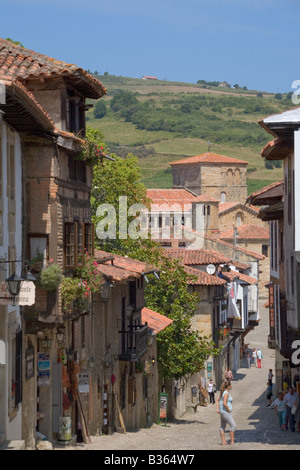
[[229, 177], [223, 196], [239, 218], [237, 177]]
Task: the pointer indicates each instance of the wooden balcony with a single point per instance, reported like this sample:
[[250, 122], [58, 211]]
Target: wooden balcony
[[133, 343]]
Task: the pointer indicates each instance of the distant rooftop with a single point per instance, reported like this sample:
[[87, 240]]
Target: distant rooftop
[[209, 158]]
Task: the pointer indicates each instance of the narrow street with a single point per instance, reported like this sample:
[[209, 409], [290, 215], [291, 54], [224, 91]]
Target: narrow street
[[257, 427]]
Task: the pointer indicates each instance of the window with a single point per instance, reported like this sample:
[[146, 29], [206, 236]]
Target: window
[[75, 113], [264, 250], [78, 239], [239, 219], [223, 197], [77, 170]]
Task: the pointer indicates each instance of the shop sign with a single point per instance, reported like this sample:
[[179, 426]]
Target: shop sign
[[26, 296], [43, 370], [163, 407], [84, 381]]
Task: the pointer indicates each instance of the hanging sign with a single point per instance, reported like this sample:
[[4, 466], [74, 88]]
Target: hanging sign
[[163, 407], [84, 381], [26, 296]]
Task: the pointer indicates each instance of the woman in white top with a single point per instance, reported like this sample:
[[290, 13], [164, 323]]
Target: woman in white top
[[224, 407]]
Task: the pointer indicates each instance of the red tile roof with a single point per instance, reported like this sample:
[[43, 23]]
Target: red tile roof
[[209, 158], [170, 197], [197, 257], [232, 275], [247, 232], [203, 278], [227, 206], [120, 267], [19, 63], [156, 322]]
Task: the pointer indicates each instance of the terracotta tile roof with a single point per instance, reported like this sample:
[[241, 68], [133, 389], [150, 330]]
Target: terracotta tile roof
[[247, 232], [205, 198], [197, 257], [156, 322], [203, 278], [227, 206], [232, 275], [209, 158], [269, 192], [168, 197], [19, 97], [19, 63], [115, 273], [162, 199], [223, 243], [117, 264]]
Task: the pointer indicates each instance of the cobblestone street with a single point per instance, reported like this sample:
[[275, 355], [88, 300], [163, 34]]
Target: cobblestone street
[[257, 427]]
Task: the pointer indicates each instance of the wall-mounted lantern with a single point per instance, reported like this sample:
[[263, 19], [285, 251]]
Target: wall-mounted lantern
[[46, 343], [60, 336], [105, 291]]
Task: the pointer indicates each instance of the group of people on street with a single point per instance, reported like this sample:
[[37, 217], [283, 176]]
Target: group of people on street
[[287, 407], [254, 357]]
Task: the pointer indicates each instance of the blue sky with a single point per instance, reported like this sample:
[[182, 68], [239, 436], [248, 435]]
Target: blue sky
[[254, 43]]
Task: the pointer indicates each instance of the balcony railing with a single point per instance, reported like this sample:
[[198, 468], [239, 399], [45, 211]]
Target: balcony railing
[[133, 343], [236, 324]]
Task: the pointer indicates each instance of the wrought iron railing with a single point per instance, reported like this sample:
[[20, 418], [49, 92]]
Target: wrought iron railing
[[133, 343]]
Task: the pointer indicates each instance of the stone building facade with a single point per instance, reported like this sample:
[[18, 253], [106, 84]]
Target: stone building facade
[[219, 176]]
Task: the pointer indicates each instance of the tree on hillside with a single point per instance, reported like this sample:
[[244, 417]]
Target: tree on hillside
[[100, 109]]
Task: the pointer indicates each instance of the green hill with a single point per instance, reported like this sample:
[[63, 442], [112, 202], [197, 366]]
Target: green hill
[[162, 121]]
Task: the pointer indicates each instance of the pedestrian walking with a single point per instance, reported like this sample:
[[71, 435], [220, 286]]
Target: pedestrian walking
[[259, 355], [254, 356], [228, 374], [280, 407], [224, 408], [291, 399], [270, 375], [211, 388], [269, 392], [297, 414], [248, 359]]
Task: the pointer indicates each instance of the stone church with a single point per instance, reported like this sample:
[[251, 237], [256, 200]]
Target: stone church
[[219, 184], [216, 175]]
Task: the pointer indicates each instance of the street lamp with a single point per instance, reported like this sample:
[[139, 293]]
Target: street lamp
[[105, 291], [13, 284], [46, 343], [60, 336]]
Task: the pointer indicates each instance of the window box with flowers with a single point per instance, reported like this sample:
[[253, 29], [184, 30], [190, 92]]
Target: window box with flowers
[[92, 149], [76, 291]]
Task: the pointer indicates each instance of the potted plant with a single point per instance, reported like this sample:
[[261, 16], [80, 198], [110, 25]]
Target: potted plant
[[50, 277]]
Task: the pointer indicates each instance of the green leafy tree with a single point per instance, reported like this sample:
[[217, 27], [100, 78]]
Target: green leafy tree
[[100, 109], [181, 349]]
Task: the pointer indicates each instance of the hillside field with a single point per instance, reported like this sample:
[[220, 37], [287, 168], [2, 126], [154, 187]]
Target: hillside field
[[167, 121]]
